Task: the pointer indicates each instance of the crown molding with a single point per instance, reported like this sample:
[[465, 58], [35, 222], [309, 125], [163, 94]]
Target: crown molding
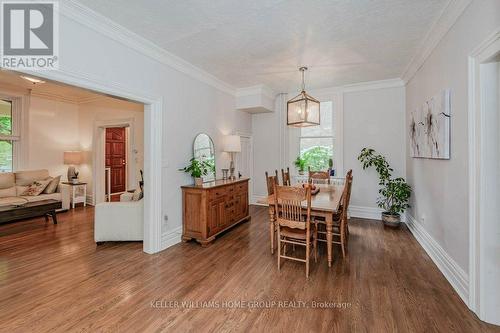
[[361, 86], [372, 85], [103, 25], [450, 14]]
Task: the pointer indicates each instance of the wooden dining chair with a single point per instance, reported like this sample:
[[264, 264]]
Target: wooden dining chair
[[294, 224], [319, 177], [321, 225], [340, 229], [285, 176], [270, 181]]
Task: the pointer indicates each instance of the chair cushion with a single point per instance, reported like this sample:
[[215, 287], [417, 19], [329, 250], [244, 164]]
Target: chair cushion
[[24, 178], [8, 192], [7, 180], [52, 196], [11, 201]]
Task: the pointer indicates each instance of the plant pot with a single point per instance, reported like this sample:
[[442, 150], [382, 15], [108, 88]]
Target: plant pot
[[198, 181], [391, 220], [301, 172]]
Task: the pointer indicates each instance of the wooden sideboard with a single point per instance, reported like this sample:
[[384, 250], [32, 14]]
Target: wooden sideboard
[[212, 208]]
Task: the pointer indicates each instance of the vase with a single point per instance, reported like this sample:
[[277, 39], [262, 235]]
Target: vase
[[198, 181]]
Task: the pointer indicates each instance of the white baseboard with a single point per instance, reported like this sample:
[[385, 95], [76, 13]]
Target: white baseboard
[[255, 198], [171, 238], [455, 275], [90, 199], [365, 212]]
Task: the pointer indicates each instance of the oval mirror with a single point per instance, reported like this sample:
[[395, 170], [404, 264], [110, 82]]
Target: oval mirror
[[203, 150]]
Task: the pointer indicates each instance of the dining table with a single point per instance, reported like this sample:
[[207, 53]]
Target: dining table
[[324, 205]]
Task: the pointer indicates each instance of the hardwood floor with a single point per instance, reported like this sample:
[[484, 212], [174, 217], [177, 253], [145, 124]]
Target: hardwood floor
[[54, 278]]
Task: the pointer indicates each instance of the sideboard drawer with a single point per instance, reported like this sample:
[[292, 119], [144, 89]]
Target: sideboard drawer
[[241, 188], [217, 193]]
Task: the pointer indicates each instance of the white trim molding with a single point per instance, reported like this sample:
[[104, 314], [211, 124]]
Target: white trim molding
[[361, 86], [482, 53], [373, 213], [254, 200], [455, 275], [439, 29], [103, 25], [171, 237]]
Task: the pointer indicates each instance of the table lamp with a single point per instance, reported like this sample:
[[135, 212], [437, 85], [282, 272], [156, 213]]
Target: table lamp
[[232, 144], [72, 158]]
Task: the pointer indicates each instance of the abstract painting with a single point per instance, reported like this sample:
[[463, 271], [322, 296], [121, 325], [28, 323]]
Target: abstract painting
[[430, 128]]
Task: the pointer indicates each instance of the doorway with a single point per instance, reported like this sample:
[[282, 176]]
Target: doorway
[[116, 162], [244, 160], [484, 120], [114, 154]]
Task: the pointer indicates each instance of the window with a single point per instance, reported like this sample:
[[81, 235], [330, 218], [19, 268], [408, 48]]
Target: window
[[8, 137], [317, 142]]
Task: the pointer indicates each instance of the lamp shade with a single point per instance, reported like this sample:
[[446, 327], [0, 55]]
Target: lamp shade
[[232, 144], [73, 157]]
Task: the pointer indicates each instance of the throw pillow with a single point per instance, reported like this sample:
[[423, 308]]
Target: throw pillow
[[52, 186], [36, 188], [137, 195]]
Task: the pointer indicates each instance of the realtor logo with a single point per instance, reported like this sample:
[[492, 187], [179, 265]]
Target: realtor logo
[[29, 35]]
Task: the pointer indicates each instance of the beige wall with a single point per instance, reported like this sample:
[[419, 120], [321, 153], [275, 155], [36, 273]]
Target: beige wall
[[440, 187], [53, 129], [56, 126]]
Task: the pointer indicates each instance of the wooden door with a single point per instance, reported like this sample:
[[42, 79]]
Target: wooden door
[[116, 158]]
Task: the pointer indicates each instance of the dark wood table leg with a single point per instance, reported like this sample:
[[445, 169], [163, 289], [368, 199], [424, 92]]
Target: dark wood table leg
[[46, 217], [54, 218]]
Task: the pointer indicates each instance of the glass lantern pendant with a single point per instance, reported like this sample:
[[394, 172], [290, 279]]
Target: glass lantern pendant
[[303, 109]]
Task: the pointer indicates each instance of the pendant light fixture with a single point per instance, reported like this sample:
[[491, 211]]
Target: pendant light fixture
[[303, 109]]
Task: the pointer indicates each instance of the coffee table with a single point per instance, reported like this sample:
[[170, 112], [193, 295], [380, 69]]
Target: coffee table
[[31, 209]]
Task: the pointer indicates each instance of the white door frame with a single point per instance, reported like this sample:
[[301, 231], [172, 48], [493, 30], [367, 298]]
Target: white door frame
[[249, 136], [485, 51], [153, 106], [99, 163]]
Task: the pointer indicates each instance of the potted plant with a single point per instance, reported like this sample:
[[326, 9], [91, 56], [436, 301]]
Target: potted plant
[[300, 163], [330, 167], [394, 192], [197, 169]]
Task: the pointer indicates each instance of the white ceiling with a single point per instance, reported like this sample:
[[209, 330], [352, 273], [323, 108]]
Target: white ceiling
[[246, 43]]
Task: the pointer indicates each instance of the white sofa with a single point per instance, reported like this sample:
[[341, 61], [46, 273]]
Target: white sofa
[[12, 184], [119, 221]]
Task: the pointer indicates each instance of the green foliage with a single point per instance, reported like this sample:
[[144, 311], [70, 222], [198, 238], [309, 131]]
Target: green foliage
[[210, 162], [5, 156], [300, 163], [317, 157], [394, 192], [5, 125], [5, 146], [198, 168]]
